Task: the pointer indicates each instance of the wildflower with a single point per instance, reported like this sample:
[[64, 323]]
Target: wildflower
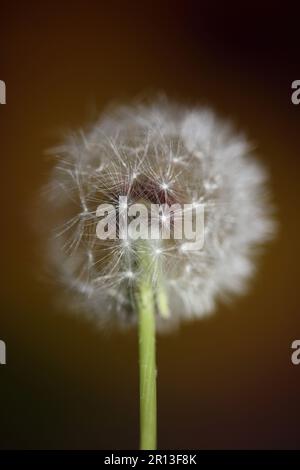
[[169, 156]]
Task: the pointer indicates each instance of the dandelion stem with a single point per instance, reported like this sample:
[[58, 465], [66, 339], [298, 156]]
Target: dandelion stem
[[147, 364]]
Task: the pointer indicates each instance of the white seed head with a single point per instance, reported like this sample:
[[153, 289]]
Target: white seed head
[[157, 153]]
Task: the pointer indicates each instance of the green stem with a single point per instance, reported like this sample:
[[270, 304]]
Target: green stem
[[147, 362]]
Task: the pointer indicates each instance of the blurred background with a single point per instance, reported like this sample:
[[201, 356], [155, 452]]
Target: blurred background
[[223, 382]]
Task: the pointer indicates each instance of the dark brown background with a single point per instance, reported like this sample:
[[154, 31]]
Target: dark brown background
[[225, 382]]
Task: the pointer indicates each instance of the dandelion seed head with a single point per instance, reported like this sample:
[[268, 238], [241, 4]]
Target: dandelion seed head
[[159, 153]]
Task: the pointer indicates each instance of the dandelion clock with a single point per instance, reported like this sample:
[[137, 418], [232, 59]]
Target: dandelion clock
[[157, 212]]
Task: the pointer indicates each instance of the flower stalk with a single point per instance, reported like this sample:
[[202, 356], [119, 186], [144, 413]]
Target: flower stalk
[[147, 360]]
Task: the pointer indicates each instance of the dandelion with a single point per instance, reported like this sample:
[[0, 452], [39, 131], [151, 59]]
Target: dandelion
[[163, 154]]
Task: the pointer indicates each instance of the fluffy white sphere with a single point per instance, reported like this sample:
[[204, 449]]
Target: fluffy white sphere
[[160, 152]]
